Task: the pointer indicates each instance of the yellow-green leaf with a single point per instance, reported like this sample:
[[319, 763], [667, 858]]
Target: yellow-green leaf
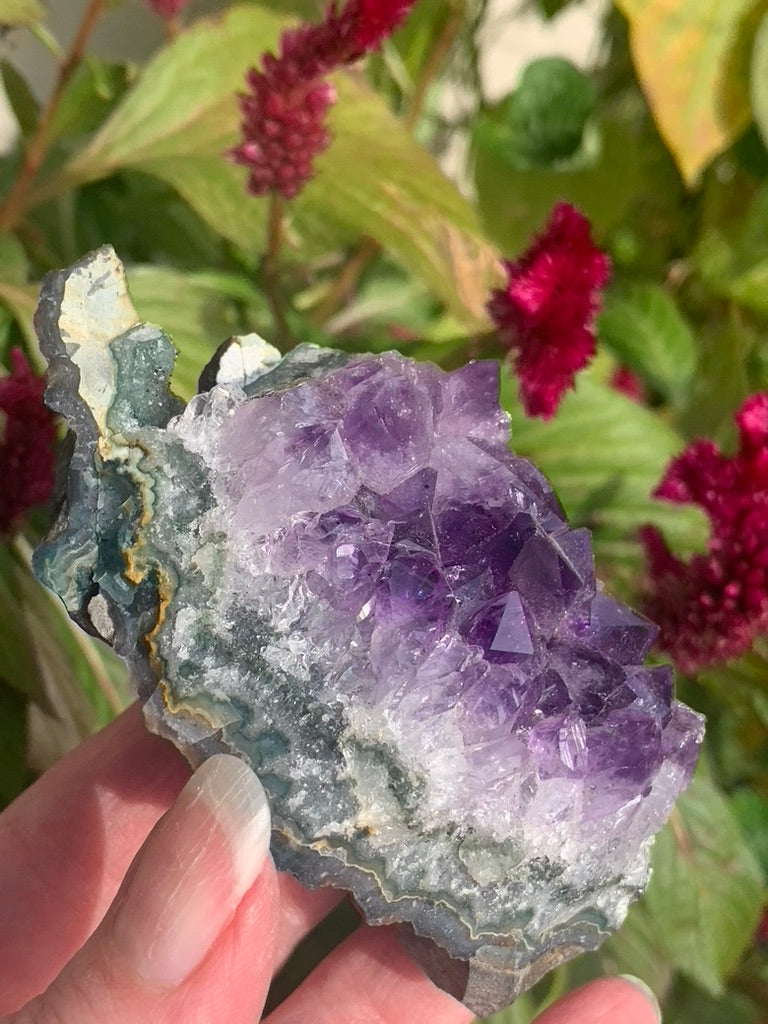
[[398, 195], [198, 311], [705, 892], [181, 117], [21, 12], [693, 66], [760, 79], [21, 302]]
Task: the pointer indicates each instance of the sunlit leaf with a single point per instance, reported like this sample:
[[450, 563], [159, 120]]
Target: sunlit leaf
[[198, 311], [399, 196], [181, 117], [14, 265], [693, 69], [643, 326], [43, 653], [184, 102], [705, 892], [15, 13], [759, 79], [21, 302]]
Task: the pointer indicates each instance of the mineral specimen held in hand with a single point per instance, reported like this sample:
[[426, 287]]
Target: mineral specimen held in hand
[[334, 567]]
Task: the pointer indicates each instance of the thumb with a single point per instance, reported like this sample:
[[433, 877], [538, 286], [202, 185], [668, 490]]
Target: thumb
[[191, 932]]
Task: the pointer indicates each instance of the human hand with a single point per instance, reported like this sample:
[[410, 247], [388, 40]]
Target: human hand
[[115, 909]]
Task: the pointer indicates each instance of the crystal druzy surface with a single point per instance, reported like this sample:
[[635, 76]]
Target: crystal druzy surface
[[334, 567]]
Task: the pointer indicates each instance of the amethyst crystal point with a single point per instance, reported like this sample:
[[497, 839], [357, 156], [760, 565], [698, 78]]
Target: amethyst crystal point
[[334, 567]]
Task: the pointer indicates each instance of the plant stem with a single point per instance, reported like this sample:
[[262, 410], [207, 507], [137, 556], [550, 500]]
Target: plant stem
[[173, 28], [368, 249], [345, 281], [37, 149], [434, 62], [270, 269]]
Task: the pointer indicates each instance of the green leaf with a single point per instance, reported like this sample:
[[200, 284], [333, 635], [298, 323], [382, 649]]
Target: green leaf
[[543, 121], [21, 302], [733, 258], [399, 196], [514, 204], [741, 684], [216, 192], [13, 744], [15, 13], [14, 265], [634, 949], [691, 63], [689, 1004], [751, 811], [759, 79], [721, 383], [705, 892], [90, 95], [23, 102], [48, 659], [643, 327], [184, 102], [605, 454], [198, 311], [181, 117]]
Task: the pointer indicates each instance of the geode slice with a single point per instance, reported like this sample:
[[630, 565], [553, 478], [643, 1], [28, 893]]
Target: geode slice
[[334, 567]]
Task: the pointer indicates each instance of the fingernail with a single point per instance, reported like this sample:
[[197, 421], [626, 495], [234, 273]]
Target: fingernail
[[193, 871], [647, 992]]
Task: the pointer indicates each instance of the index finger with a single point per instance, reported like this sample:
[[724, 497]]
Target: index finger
[[67, 842]]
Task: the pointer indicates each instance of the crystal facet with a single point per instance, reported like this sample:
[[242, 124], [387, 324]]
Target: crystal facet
[[334, 567]]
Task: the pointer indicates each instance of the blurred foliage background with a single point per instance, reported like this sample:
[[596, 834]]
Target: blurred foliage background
[[662, 142]]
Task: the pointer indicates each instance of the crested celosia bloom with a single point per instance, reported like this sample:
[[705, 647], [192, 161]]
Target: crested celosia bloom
[[287, 100], [712, 607], [168, 8], [545, 313], [27, 436]]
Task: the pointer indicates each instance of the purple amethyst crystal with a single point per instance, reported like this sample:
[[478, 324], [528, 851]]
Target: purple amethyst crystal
[[335, 567]]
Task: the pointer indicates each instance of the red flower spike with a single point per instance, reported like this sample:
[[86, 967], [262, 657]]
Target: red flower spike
[[284, 111], [27, 438], [168, 8], [711, 608], [545, 313]]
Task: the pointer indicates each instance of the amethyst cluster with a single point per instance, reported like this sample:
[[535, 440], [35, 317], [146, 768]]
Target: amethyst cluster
[[335, 567]]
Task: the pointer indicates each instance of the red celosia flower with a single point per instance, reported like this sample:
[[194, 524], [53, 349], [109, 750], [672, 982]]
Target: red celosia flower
[[284, 112], [168, 8], [545, 313], [712, 607], [27, 436], [628, 383]]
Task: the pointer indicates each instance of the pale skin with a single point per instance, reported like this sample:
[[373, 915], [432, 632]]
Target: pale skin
[[66, 848]]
